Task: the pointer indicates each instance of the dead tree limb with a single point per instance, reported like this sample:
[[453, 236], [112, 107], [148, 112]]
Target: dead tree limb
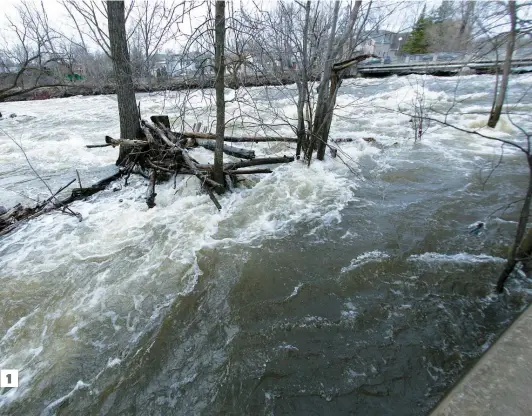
[[17, 215], [247, 171], [366, 139], [228, 150], [209, 136], [168, 138], [254, 162], [56, 193], [80, 193], [123, 142], [92, 146], [150, 199]]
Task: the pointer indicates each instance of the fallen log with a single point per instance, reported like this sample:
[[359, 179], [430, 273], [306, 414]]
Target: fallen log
[[148, 135], [209, 136], [166, 137], [247, 171], [229, 150], [254, 162], [366, 139], [18, 214], [113, 142], [92, 146], [55, 194], [80, 193]]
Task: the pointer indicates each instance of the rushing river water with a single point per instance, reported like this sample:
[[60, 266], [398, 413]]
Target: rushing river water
[[316, 290]]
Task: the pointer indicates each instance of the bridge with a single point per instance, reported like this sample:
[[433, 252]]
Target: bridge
[[442, 68]]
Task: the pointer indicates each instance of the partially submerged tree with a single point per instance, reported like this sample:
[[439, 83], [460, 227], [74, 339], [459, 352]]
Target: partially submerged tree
[[316, 41], [125, 90], [500, 91], [219, 45]]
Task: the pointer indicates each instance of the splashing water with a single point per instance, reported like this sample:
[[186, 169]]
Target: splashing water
[[313, 288]]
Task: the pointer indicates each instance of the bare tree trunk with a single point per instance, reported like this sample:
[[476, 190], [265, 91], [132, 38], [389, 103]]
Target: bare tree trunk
[[465, 24], [322, 102], [336, 81], [517, 247], [500, 98], [302, 87], [125, 90], [219, 30], [525, 253]]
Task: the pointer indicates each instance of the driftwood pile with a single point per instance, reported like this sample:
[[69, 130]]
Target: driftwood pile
[[157, 155], [161, 152]]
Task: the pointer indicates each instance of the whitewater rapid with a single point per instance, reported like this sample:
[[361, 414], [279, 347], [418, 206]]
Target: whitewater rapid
[[79, 298]]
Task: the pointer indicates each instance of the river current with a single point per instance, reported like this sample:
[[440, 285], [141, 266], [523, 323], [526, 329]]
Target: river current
[[339, 288]]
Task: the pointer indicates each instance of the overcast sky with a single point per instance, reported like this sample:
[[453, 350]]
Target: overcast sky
[[58, 15]]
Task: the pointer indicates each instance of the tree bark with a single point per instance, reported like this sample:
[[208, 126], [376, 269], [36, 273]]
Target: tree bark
[[465, 25], [125, 90], [336, 81], [322, 102], [302, 86], [248, 163], [513, 256], [510, 45], [228, 150], [219, 44], [247, 171]]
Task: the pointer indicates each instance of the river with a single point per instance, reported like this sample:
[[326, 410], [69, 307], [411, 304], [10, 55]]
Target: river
[[330, 289]]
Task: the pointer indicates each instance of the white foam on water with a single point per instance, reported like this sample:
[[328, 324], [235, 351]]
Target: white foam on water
[[455, 258], [80, 385], [114, 362], [365, 258], [295, 291], [350, 311], [99, 285]]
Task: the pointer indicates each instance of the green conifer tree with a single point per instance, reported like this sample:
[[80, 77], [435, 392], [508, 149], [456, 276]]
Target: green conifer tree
[[417, 42]]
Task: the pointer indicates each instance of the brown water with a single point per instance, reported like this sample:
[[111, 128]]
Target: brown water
[[315, 291]]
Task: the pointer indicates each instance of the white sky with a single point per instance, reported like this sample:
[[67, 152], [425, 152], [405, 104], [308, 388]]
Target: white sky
[[58, 16]]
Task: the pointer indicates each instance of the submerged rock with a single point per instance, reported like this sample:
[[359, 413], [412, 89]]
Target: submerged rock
[[476, 228], [467, 70]]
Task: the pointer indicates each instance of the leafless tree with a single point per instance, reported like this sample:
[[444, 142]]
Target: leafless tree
[[219, 46], [521, 248], [420, 109], [29, 52], [155, 24], [314, 41], [90, 19], [500, 95], [125, 90]]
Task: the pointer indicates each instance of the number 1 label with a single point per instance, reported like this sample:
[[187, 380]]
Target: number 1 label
[[8, 378]]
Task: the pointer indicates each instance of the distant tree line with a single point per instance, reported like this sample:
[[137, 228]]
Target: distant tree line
[[445, 29]]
